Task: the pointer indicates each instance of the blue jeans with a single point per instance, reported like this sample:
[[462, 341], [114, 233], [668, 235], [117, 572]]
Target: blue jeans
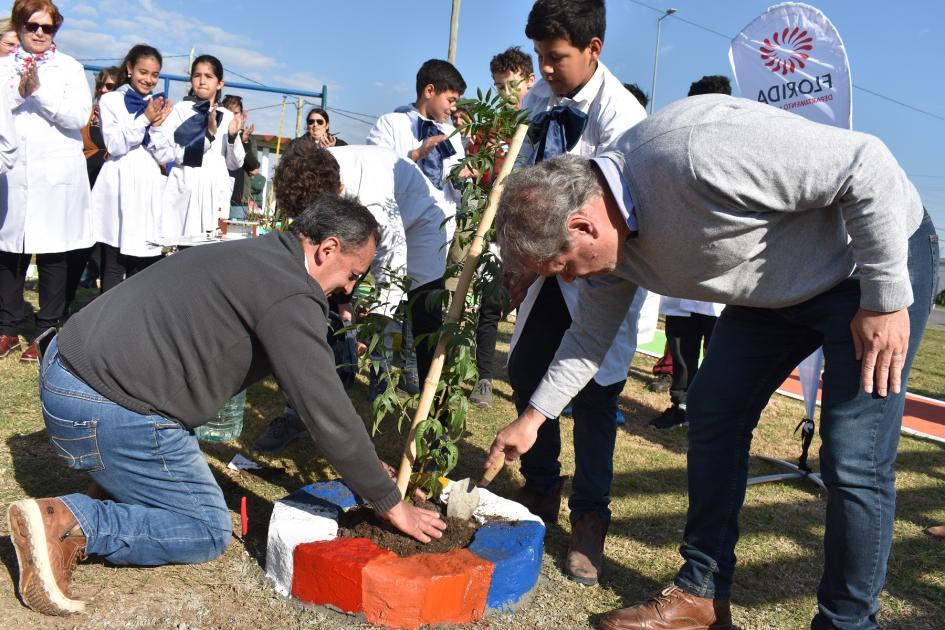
[[167, 506], [594, 408], [751, 352]]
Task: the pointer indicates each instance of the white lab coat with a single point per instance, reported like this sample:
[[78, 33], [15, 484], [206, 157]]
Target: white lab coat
[[44, 198], [680, 307], [196, 198], [395, 131], [611, 111], [128, 197], [416, 221], [7, 135]]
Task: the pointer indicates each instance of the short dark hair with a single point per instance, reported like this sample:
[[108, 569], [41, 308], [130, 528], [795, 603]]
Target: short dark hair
[[305, 172], [232, 100], [341, 217], [637, 92], [137, 53], [442, 75], [513, 59], [711, 84], [578, 21]]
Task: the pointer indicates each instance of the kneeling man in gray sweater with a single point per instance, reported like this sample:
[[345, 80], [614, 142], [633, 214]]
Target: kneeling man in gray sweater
[[129, 377], [813, 236]]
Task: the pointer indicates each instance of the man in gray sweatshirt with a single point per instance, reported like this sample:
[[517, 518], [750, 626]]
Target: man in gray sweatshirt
[[129, 377], [814, 236]]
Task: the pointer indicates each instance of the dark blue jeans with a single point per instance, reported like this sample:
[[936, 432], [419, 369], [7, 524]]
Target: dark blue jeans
[[167, 506], [751, 352], [594, 409]]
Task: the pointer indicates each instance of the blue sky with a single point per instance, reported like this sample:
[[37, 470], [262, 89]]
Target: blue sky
[[367, 52]]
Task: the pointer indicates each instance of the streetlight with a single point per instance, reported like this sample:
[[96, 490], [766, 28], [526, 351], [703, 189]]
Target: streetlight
[[656, 55]]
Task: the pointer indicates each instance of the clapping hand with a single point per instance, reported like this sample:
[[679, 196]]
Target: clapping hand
[[157, 110], [212, 121], [247, 131], [29, 82], [236, 123]]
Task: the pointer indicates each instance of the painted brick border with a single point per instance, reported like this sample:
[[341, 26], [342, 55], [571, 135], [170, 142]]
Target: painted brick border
[[498, 570]]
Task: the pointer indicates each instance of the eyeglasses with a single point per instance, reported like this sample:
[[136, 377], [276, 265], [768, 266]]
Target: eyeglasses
[[316, 121], [109, 86], [48, 29]]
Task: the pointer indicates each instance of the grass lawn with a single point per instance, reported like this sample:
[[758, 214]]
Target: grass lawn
[[779, 552]]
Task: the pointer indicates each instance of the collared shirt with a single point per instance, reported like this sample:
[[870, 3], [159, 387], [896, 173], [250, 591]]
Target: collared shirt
[[611, 111], [619, 189]]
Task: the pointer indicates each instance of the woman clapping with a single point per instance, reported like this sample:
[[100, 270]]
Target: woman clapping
[[44, 199]]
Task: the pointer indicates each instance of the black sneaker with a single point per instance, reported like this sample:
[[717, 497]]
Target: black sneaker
[[281, 431], [672, 417]]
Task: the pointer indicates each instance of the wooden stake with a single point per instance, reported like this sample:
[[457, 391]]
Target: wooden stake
[[457, 305]]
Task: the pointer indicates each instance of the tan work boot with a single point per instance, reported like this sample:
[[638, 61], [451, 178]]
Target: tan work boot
[[937, 531], [586, 548], [48, 543], [672, 609]]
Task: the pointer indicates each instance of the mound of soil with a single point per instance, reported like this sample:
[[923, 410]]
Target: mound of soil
[[365, 523]]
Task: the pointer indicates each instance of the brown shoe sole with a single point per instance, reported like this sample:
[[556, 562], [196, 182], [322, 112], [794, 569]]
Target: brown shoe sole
[[38, 587]]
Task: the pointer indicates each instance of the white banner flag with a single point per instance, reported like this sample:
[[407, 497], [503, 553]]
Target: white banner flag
[[792, 57]]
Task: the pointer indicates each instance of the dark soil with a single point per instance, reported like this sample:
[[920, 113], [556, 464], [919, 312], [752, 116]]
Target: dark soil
[[365, 523]]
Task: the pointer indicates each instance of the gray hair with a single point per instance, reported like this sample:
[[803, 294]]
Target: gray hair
[[531, 221]]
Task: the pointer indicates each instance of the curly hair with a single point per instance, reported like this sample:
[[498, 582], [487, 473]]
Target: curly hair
[[304, 173], [512, 59]]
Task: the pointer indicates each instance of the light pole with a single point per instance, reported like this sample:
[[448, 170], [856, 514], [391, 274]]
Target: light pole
[[656, 55]]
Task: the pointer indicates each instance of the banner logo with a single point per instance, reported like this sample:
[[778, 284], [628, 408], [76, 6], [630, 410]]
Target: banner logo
[[788, 52]]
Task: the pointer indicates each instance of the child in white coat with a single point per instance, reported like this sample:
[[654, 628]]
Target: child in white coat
[[127, 200], [207, 149]]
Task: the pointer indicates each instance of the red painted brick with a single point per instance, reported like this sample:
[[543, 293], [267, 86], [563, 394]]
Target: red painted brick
[[426, 589], [330, 572]]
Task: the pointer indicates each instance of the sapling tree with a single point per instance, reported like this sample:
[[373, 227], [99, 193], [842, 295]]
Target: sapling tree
[[490, 122]]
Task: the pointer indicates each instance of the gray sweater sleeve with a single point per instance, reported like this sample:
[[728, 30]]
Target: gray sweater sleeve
[[773, 161], [294, 336], [603, 302]]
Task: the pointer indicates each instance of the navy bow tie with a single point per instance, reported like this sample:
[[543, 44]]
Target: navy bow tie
[[432, 164], [556, 131], [192, 131], [136, 104]]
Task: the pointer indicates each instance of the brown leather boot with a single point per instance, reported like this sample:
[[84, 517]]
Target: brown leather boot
[[586, 548], [672, 609], [48, 543], [937, 531], [544, 506]]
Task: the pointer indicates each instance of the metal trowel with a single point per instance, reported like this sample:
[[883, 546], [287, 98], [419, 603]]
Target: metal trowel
[[464, 495]]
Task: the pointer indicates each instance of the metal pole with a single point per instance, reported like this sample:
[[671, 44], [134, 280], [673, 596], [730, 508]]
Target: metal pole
[[656, 56], [324, 97], [454, 32]]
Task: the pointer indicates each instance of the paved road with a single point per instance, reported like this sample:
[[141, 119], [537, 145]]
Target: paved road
[[937, 319]]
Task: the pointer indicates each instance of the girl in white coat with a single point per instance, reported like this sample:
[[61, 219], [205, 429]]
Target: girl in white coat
[[44, 199], [207, 149], [127, 199]]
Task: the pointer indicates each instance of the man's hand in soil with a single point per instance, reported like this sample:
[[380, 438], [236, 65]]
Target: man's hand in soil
[[415, 522]]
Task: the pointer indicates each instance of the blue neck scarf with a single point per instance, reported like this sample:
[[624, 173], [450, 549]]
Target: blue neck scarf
[[556, 131], [423, 128], [136, 104], [191, 133]]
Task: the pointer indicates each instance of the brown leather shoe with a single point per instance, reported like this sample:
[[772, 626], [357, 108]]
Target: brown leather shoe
[[938, 531], [586, 548], [8, 344], [672, 609], [48, 543], [30, 355], [544, 506]]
